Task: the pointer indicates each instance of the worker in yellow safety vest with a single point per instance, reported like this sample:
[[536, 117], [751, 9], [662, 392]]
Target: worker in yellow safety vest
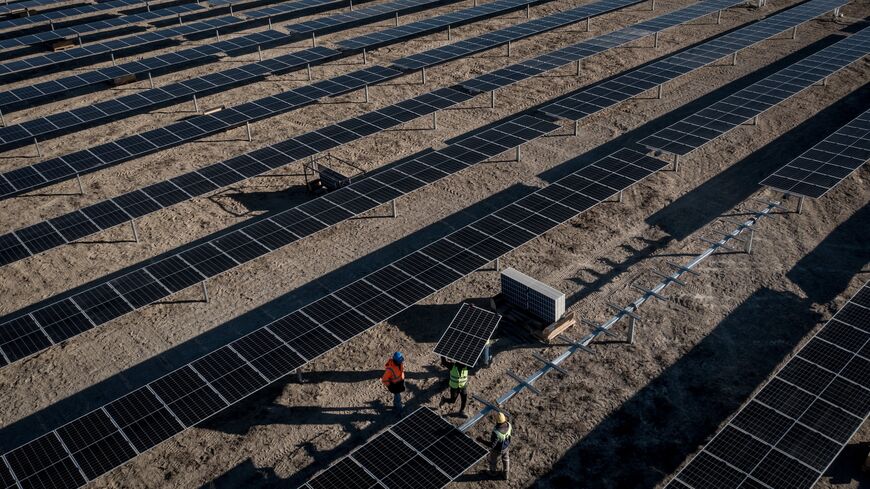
[[458, 387], [500, 441]]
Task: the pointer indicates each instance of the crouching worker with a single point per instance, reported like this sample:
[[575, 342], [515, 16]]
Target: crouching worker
[[500, 441], [394, 379]]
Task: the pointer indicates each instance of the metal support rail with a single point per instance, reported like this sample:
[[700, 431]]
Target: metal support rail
[[629, 311]]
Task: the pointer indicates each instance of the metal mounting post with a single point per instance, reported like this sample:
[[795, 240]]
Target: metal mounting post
[[734, 59], [397, 19], [682, 268], [576, 128], [676, 162], [366, 91], [656, 41], [434, 120], [313, 40], [824, 82], [135, 230], [492, 99], [528, 11], [248, 130], [497, 264], [270, 21], [51, 24], [588, 23], [578, 67], [299, 376], [519, 155], [423, 75], [2, 120], [522, 381], [800, 204], [449, 37], [836, 12], [747, 246], [718, 17], [79, 37], [204, 291], [38, 151], [659, 92], [180, 22], [509, 49], [630, 335], [550, 364], [351, 5], [81, 187], [195, 104], [259, 53], [794, 32], [217, 34], [393, 207], [308, 68], [669, 278], [652, 6], [754, 121], [150, 80], [365, 57], [231, 9], [112, 55]]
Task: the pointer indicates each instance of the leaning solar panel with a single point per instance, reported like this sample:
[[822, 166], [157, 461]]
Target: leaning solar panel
[[787, 435], [826, 164], [466, 336], [18, 135], [426, 26], [701, 127], [634, 82], [99, 25], [533, 67], [69, 86], [157, 411], [101, 301], [433, 453], [68, 12]]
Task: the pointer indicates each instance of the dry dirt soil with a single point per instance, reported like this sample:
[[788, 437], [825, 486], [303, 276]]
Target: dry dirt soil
[[627, 417]]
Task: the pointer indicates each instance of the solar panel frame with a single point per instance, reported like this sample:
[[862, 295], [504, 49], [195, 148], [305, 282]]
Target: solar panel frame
[[468, 332]]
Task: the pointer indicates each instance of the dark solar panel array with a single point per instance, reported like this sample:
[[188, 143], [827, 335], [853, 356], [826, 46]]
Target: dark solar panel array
[[65, 167], [635, 82], [788, 434], [98, 25], [698, 129], [107, 300], [826, 164], [467, 47], [108, 436], [423, 447], [357, 17], [25, 4], [18, 135], [66, 87], [466, 336], [541, 64], [69, 12], [102, 51], [426, 26]]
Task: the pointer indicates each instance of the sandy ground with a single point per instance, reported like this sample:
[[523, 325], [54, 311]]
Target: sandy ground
[[627, 417]]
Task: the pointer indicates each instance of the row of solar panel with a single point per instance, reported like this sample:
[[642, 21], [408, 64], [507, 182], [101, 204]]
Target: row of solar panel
[[42, 236], [540, 64], [822, 167], [108, 300], [99, 25], [787, 435], [69, 86], [65, 167], [434, 452], [196, 391], [11, 7], [426, 26], [18, 135], [91, 53], [63, 13], [698, 129]]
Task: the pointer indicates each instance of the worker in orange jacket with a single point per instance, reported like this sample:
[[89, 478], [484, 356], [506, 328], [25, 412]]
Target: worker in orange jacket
[[394, 379]]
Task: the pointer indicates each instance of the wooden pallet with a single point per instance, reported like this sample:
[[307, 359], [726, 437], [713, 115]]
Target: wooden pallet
[[63, 45], [514, 316]]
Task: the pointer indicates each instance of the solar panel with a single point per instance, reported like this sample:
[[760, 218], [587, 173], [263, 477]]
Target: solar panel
[[433, 453], [590, 100], [148, 282], [45, 17], [235, 370], [701, 127], [825, 165], [467, 334], [792, 430], [13, 7], [99, 25]]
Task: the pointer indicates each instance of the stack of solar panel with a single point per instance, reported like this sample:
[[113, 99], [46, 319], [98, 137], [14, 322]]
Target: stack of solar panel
[[532, 295]]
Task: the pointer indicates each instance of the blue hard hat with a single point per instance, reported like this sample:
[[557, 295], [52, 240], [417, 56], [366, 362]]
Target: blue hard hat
[[398, 357]]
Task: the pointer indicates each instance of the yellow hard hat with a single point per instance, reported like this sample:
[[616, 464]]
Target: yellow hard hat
[[501, 418]]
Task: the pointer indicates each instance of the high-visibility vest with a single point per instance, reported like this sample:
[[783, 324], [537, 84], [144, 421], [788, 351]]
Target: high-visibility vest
[[393, 373], [458, 377], [503, 436]]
